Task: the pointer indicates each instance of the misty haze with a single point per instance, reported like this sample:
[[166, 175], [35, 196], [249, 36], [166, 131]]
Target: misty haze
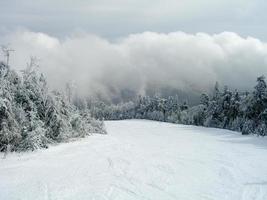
[[133, 99]]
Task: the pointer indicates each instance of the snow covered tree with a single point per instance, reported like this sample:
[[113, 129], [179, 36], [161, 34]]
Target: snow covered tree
[[31, 116], [204, 99], [245, 112]]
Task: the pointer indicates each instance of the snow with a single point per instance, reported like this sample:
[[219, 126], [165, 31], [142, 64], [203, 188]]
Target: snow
[[141, 159]]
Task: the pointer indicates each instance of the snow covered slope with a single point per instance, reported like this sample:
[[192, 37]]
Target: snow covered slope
[[142, 160]]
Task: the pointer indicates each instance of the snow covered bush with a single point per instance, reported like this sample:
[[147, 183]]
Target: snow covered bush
[[261, 129]]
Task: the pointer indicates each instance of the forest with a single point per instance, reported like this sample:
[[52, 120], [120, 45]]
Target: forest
[[245, 112], [32, 116]]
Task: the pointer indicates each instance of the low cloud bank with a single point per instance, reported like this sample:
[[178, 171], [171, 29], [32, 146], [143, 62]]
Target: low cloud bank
[[142, 63]]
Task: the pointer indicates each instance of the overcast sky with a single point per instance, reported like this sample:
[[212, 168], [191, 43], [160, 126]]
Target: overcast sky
[[118, 18], [108, 46]]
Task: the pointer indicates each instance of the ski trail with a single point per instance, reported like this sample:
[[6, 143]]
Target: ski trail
[[142, 160]]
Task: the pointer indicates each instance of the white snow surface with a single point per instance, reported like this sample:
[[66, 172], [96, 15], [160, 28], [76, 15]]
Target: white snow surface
[[141, 159]]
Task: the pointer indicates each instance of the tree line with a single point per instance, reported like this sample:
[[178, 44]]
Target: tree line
[[245, 112]]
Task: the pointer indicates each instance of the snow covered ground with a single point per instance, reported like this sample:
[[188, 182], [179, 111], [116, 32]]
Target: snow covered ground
[[141, 159]]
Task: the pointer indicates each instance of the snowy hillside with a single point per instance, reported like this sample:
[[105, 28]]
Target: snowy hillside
[[142, 160]]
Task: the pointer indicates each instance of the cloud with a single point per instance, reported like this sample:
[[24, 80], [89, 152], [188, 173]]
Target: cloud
[[143, 62], [112, 18]]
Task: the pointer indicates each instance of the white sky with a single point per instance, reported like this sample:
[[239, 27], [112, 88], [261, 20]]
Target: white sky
[[116, 18], [107, 46]]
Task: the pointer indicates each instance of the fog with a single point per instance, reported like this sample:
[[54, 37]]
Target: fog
[[142, 63]]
